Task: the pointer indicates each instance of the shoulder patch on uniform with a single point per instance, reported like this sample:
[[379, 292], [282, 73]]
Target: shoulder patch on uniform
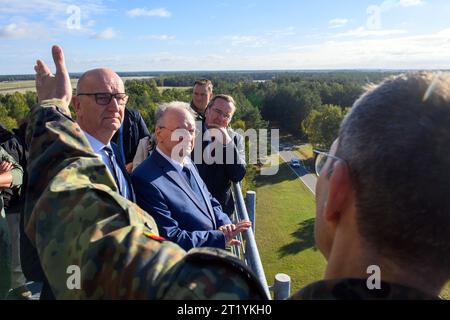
[[154, 236]]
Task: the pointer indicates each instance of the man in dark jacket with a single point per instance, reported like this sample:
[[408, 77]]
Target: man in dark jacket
[[223, 151], [127, 138]]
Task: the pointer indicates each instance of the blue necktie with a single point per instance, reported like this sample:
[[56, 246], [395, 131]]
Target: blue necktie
[[112, 162], [191, 180]]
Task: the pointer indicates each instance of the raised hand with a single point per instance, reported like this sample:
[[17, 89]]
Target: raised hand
[[50, 86], [219, 133]]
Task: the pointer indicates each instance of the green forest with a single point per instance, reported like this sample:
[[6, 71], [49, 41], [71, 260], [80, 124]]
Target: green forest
[[308, 105]]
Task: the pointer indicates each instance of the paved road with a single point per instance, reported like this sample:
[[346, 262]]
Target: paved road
[[307, 178]]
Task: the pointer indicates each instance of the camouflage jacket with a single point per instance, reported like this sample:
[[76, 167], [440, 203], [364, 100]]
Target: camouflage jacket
[[356, 289], [76, 219]]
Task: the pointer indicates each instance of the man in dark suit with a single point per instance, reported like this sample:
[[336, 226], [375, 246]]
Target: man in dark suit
[[99, 105], [127, 138], [169, 187], [223, 151]]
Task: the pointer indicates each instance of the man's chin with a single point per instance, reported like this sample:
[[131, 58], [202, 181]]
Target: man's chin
[[113, 124]]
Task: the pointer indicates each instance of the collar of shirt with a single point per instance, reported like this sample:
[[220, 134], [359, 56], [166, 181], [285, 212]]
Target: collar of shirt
[[178, 166], [96, 145]]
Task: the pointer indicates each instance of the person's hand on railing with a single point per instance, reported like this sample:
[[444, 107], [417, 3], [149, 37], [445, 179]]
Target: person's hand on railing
[[232, 230]]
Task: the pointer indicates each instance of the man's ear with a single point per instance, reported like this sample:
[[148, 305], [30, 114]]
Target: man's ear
[[158, 134], [76, 103], [339, 192]]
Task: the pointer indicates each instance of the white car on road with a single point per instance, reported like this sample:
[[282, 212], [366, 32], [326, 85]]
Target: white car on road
[[295, 163]]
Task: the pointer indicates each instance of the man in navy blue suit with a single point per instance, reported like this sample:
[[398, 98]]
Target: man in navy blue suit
[[169, 187], [99, 105]]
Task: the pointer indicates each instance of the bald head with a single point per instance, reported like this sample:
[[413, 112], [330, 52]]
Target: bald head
[[96, 118], [94, 78]]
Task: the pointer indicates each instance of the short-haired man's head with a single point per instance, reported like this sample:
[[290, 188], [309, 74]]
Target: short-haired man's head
[[201, 94], [220, 111], [396, 141], [225, 97], [175, 129], [204, 82]]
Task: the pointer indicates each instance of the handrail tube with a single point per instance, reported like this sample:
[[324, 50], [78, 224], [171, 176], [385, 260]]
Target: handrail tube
[[252, 253]]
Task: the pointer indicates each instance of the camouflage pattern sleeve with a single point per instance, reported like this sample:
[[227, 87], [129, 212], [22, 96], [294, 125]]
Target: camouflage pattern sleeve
[[75, 217]]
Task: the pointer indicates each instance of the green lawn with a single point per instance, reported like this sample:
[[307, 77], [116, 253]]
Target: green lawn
[[285, 229]]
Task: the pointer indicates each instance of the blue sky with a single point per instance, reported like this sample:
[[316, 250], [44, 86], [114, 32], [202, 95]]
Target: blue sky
[[169, 35]]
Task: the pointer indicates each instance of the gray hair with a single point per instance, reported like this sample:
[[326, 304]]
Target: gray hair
[[396, 142], [163, 108]]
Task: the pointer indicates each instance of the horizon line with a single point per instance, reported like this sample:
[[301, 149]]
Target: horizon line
[[264, 70]]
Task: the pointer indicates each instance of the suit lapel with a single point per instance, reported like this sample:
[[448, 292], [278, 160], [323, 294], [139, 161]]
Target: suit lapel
[[173, 174], [205, 197], [115, 149]]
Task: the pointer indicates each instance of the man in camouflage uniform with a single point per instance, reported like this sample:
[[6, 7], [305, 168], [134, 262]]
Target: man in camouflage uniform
[[75, 218], [11, 174], [382, 203]]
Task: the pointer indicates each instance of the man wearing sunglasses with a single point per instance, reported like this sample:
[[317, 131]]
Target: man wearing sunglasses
[[382, 203]]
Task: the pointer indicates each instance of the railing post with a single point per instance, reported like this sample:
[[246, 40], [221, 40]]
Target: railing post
[[250, 202], [281, 287]]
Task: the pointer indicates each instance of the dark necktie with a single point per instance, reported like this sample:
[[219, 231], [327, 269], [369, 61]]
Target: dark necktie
[[191, 181], [112, 162]]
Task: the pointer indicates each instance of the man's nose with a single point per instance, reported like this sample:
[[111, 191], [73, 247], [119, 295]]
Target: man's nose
[[113, 104]]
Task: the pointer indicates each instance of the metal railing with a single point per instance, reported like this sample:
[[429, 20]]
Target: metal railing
[[248, 251]]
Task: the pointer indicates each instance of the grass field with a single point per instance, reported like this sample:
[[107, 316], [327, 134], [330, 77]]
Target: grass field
[[28, 85], [177, 88], [285, 229]]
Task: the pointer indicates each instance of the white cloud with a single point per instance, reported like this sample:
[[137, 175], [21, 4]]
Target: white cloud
[[106, 34], [289, 31], [362, 32], [12, 31], [337, 23], [160, 37], [51, 8], [410, 3], [245, 41], [137, 12], [20, 29], [425, 51], [391, 4]]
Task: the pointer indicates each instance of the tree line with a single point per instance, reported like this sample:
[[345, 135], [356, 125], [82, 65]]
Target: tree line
[[310, 105]]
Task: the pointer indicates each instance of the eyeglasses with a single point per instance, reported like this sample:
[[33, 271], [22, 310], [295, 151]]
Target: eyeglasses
[[192, 132], [223, 114], [321, 160], [104, 98]]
